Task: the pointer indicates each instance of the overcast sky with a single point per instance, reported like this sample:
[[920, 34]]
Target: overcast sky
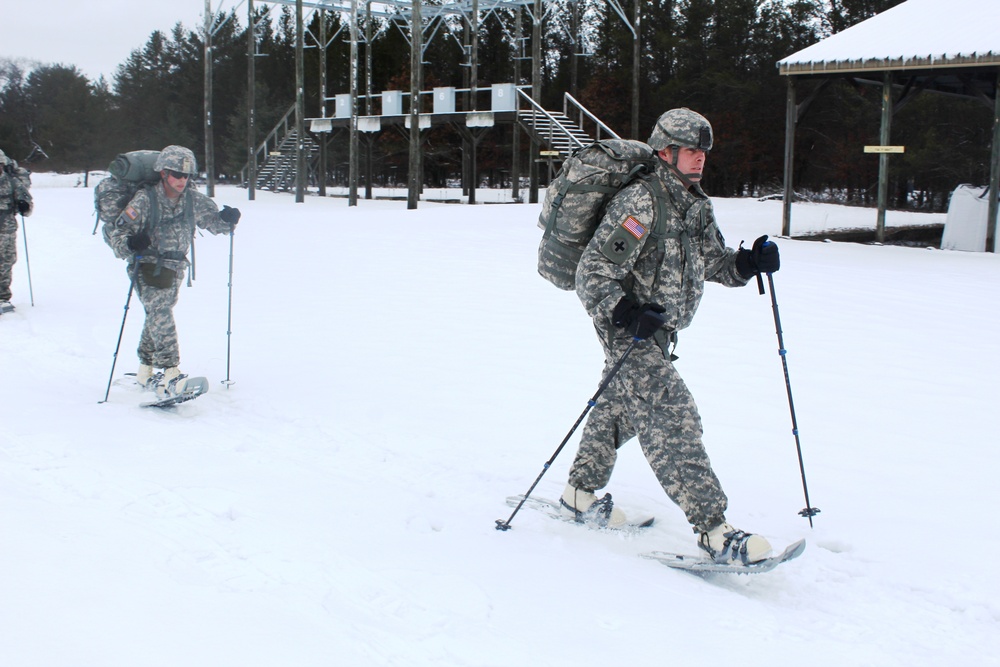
[[94, 35]]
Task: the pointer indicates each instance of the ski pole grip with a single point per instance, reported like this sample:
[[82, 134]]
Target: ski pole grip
[[760, 278]]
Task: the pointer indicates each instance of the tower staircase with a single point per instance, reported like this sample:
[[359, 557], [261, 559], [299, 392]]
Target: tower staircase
[[275, 157], [561, 132]]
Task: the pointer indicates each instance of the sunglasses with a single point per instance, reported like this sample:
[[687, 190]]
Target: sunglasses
[[177, 174]]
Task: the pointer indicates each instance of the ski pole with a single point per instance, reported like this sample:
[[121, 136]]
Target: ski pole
[[229, 323], [27, 262], [505, 525], [114, 360], [809, 512]]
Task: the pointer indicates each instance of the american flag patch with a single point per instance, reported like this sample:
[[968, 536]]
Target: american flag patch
[[131, 212], [634, 228]]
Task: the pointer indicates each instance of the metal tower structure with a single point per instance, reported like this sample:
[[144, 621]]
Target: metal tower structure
[[419, 22]]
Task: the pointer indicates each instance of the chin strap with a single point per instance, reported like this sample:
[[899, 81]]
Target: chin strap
[[672, 166]]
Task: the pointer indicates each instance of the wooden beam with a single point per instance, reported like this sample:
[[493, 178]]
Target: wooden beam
[[883, 158], [791, 111], [991, 215]]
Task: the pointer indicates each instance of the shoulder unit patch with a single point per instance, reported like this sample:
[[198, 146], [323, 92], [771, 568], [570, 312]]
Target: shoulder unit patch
[[626, 239]]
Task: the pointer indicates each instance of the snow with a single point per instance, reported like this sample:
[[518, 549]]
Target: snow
[[913, 29], [396, 374]]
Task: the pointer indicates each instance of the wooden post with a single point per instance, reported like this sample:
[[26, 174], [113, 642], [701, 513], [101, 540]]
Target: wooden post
[[515, 139], [416, 53], [352, 190], [577, 42], [536, 94], [322, 103], [466, 177], [251, 89], [300, 108], [991, 215], [636, 59], [209, 149], [883, 158], [369, 108], [473, 85], [791, 120]]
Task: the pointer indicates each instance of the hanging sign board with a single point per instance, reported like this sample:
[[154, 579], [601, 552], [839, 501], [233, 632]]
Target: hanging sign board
[[885, 149]]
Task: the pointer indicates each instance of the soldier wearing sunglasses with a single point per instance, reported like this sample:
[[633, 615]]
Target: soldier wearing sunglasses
[[154, 234]]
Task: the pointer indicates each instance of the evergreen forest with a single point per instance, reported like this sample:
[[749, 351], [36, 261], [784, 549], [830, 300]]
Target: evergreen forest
[[717, 57]]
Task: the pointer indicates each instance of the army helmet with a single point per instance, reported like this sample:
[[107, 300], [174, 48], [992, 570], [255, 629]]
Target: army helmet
[[681, 127], [177, 158]]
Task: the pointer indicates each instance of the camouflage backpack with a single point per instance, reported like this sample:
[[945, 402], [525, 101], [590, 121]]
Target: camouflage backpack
[[577, 197], [128, 173], [15, 187]]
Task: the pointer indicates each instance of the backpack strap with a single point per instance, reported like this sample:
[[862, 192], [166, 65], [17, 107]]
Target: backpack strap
[[154, 219], [667, 340], [149, 223], [154, 207], [189, 217]]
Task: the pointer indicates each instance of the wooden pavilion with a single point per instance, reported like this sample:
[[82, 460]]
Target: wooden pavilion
[[950, 48]]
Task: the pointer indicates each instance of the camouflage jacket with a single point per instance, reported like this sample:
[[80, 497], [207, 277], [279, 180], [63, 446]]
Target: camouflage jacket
[[15, 183], [171, 227], [625, 257]]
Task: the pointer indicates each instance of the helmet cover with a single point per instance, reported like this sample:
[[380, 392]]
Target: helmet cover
[[681, 127], [176, 158]]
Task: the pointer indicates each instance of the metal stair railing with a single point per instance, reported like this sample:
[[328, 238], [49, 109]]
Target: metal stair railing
[[548, 128], [278, 173], [571, 103], [272, 156], [265, 148], [558, 129]]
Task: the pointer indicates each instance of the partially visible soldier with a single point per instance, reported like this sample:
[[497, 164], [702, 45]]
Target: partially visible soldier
[[154, 233], [650, 290], [15, 197]]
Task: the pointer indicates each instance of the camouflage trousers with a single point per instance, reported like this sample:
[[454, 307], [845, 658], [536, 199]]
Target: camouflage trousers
[[8, 255], [649, 399], [158, 345]]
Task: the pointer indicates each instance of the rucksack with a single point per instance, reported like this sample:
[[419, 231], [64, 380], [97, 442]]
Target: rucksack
[[15, 187], [128, 173], [577, 197]]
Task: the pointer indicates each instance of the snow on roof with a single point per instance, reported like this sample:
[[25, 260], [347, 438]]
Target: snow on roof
[[913, 34]]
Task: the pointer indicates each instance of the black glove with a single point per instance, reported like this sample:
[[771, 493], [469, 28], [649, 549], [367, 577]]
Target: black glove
[[23, 207], [138, 242], [640, 321], [230, 215], [762, 258]]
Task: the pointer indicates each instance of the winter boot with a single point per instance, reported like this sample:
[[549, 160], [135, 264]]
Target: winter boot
[[725, 544], [172, 383], [585, 507], [6, 307], [144, 375]]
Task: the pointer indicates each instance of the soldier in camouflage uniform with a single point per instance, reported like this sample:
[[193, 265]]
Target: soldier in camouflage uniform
[[637, 284], [153, 233], [15, 198]]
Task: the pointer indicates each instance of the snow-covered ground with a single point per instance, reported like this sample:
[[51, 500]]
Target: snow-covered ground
[[398, 373]]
